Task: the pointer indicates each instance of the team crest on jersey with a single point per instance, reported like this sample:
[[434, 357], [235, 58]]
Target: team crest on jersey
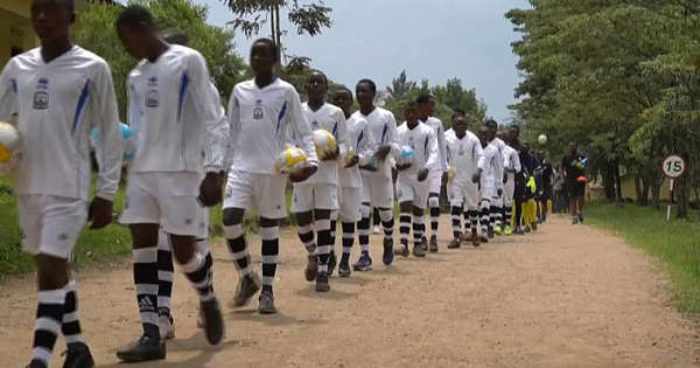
[[41, 95], [152, 99], [461, 150], [314, 125], [258, 112]]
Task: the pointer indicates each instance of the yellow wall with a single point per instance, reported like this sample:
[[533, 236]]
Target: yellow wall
[[15, 28]]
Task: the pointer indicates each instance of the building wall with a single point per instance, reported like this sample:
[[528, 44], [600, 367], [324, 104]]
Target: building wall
[[15, 28]]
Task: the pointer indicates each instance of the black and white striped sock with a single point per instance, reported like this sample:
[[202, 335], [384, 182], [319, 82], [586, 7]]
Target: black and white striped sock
[[270, 255], [387, 217], [307, 237], [434, 204], [404, 228], [509, 215], [323, 251], [146, 281], [197, 271], [467, 221], [493, 216], [71, 318], [474, 220], [485, 217], [457, 222], [49, 318], [238, 248], [418, 228], [363, 228], [165, 274], [334, 228], [348, 238]]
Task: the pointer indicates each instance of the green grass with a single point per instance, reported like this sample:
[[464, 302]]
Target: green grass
[[675, 243]]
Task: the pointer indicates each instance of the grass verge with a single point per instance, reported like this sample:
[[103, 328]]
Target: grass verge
[[675, 243]]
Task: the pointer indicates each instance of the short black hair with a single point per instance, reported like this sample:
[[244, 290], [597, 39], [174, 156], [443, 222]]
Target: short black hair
[[343, 89], [135, 15], [176, 37], [491, 123], [370, 83], [458, 112], [270, 43], [424, 98], [410, 105], [316, 71]]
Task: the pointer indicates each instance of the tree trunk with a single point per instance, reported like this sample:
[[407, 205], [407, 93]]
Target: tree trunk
[[646, 184], [681, 194], [657, 183], [618, 182], [638, 189], [278, 35]]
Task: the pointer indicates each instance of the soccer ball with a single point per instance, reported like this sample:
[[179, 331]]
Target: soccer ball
[[406, 156], [9, 142], [349, 156], [542, 139], [292, 159], [325, 143]]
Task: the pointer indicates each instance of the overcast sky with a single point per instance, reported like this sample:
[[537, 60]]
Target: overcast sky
[[434, 40]]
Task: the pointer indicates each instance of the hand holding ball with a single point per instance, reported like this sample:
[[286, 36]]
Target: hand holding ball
[[10, 142], [326, 146], [291, 160]]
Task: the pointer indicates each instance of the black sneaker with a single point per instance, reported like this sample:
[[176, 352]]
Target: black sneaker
[[248, 286], [580, 218], [363, 264], [266, 303], [146, 348], [419, 250], [433, 244], [213, 321], [78, 356], [311, 268], [454, 244], [344, 268], [322, 285], [332, 262], [388, 257]]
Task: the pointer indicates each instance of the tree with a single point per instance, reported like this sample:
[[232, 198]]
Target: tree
[[308, 18], [215, 43]]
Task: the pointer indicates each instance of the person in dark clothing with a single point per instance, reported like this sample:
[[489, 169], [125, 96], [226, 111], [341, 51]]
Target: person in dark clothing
[[574, 167]]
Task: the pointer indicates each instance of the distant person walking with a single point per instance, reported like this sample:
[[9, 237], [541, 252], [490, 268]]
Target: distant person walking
[[574, 167]]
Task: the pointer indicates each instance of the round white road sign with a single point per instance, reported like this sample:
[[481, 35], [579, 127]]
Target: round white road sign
[[674, 166]]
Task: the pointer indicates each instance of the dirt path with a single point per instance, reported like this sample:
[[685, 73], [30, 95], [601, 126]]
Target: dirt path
[[564, 297]]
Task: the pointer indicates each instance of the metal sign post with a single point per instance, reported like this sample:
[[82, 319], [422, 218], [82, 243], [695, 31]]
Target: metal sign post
[[673, 167]]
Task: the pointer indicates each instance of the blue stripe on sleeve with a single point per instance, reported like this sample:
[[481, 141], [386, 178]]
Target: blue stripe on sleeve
[[185, 82], [386, 128], [14, 85], [84, 94], [280, 117], [359, 139]]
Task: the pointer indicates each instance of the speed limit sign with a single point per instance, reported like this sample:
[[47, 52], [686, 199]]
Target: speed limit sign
[[674, 166]]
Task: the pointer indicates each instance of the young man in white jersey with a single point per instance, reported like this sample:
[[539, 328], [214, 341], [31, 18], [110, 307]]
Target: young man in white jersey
[[378, 186], [263, 113], [59, 93], [413, 187], [487, 178], [511, 164], [426, 109], [496, 208], [315, 198], [463, 153], [360, 144], [175, 117], [166, 267]]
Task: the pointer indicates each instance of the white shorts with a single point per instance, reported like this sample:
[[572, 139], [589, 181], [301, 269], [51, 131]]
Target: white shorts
[[51, 225], [435, 182], [263, 192], [411, 190], [308, 197], [464, 194], [350, 202], [379, 190], [165, 198], [488, 190]]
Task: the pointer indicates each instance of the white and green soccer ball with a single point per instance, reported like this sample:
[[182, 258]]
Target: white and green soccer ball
[[10, 145], [542, 139]]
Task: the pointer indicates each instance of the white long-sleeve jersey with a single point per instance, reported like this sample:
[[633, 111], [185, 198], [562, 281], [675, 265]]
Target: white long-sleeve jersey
[[500, 168], [489, 162], [439, 129], [424, 143], [361, 141], [262, 121], [58, 104], [511, 162], [382, 125], [218, 156], [332, 119], [463, 155], [175, 114]]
